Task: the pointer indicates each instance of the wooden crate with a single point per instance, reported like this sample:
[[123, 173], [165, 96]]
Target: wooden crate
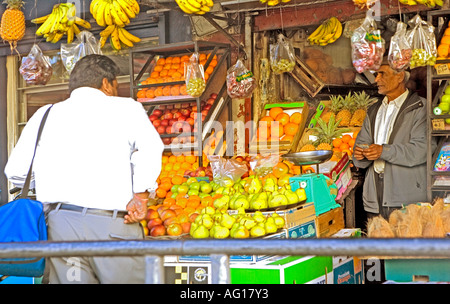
[[281, 146], [330, 222]]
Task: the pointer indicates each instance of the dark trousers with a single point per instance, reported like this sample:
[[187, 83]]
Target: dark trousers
[[384, 211]]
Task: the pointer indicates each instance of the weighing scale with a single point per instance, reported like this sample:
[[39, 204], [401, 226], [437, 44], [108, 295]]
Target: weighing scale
[[320, 189]]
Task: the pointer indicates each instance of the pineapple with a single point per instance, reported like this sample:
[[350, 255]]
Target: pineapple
[[12, 27], [362, 103], [345, 114], [308, 147], [327, 132], [335, 107]]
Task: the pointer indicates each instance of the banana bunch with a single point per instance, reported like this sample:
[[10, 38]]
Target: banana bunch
[[62, 20], [198, 7], [328, 32], [118, 37], [428, 3], [114, 12], [273, 2], [367, 3]]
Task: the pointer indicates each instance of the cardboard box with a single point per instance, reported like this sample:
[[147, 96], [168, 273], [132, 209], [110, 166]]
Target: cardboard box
[[341, 174], [347, 269], [415, 270], [299, 223], [284, 270], [281, 146], [330, 222]]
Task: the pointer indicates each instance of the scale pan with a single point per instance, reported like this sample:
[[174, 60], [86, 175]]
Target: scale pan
[[308, 157]]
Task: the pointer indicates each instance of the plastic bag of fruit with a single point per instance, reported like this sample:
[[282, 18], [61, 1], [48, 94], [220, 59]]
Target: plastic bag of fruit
[[195, 76], [240, 81], [85, 44], [226, 171], [423, 42], [400, 51], [36, 67], [367, 46], [282, 58]]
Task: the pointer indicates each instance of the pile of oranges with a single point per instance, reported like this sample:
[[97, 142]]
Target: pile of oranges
[[278, 125], [344, 143], [172, 172], [171, 69]]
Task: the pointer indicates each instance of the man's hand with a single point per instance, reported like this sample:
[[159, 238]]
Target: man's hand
[[373, 152], [358, 153], [137, 209]]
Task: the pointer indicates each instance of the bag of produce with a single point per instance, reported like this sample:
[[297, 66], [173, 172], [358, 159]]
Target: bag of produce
[[195, 76], [400, 52], [36, 67], [282, 58], [423, 42], [367, 46], [226, 171], [240, 81], [86, 44]]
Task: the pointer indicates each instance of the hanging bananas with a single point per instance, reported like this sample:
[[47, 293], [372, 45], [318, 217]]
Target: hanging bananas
[[428, 3], [62, 20], [198, 7], [114, 12], [118, 37], [328, 32], [273, 2]]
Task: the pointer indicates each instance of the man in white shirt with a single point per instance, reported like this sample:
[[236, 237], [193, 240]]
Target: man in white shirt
[[392, 146], [97, 159]]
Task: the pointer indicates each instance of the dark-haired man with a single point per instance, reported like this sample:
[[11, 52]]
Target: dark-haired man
[[97, 160]]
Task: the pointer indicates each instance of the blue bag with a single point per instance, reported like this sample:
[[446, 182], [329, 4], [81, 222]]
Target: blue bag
[[23, 220]]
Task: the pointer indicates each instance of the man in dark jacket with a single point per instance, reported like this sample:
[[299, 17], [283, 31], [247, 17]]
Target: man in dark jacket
[[392, 146]]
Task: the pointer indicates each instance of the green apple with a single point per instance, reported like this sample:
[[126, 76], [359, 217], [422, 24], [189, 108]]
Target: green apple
[[445, 98], [206, 188]]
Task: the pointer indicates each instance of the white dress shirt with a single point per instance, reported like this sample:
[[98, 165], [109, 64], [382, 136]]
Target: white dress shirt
[[95, 151], [384, 122]]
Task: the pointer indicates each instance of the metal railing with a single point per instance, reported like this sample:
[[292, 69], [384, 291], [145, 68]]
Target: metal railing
[[221, 250]]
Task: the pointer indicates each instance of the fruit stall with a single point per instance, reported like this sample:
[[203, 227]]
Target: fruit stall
[[258, 136]]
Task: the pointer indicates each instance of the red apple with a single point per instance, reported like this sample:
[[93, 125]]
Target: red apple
[[210, 101], [156, 123], [153, 222], [161, 107], [193, 216], [207, 107], [174, 229], [174, 110], [151, 214], [161, 209], [185, 105], [153, 117], [172, 121], [169, 129], [170, 107], [167, 213], [194, 108], [185, 112], [213, 95], [157, 112], [161, 129], [204, 112], [186, 226], [158, 230], [168, 116], [182, 118], [171, 220], [165, 122], [177, 114], [193, 114], [166, 140], [190, 121]]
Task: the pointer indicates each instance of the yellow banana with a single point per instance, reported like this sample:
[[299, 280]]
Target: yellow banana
[[124, 39], [57, 20], [97, 4], [273, 2], [70, 34], [210, 3], [71, 14], [195, 3], [82, 22], [183, 8], [45, 27], [64, 8], [114, 40], [439, 2], [49, 36], [188, 6], [205, 8], [100, 16], [317, 33], [108, 30], [57, 37], [337, 34], [76, 29], [127, 9], [134, 5], [102, 41], [107, 14], [118, 13], [40, 20], [92, 5], [130, 36], [332, 27]]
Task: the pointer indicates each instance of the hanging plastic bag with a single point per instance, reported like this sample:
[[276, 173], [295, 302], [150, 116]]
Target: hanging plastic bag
[[36, 67], [367, 46], [86, 44], [282, 58], [195, 76], [400, 52], [423, 42], [226, 171], [240, 81]]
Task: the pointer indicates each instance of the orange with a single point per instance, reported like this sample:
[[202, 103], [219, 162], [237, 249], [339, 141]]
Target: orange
[[182, 201], [183, 89], [351, 143], [175, 66], [165, 159], [291, 128], [176, 166], [170, 73], [190, 159], [175, 90], [296, 118], [263, 133], [163, 73], [172, 159], [166, 179], [336, 149], [209, 70], [177, 179], [202, 57], [337, 142], [177, 75], [283, 118], [346, 138], [206, 76], [158, 68], [267, 118], [154, 75], [288, 138], [180, 158], [166, 91], [158, 91], [213, 63], [347, 151], [280, 169], [344, 146], [277, 131], [161, 61], [166, 186], [161, 193], [150, 93], [169, 201], [185, 166], [355, 134], [184, 58], [176, 60], [445, 40], [141, 94], [273, 112], [169, 60]]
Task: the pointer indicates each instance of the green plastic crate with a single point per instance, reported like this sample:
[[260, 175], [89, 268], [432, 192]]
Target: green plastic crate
[[410, 270]]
